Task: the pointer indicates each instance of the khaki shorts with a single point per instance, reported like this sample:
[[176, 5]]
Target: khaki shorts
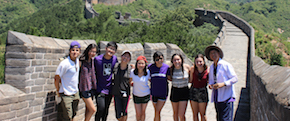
[[69, 105]]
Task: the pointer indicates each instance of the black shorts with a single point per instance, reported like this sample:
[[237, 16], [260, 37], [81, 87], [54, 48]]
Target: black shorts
[[88, 94], [179, 94], [121, 105], [140, 100], [155, 99], [198, 94]]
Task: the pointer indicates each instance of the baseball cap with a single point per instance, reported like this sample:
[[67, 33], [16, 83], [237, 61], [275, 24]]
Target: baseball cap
[[141, 57], [75, 43], [126, 51]]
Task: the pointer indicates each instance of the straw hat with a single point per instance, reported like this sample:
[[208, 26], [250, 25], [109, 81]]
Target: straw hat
[[213, 47]]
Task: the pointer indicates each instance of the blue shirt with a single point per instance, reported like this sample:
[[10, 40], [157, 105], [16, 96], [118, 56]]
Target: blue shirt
[[159, 84]]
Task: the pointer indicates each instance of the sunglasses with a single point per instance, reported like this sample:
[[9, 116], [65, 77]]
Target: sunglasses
[[158, 59]]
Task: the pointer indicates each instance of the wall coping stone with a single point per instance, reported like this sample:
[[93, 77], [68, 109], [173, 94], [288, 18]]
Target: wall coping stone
[[7, 90]]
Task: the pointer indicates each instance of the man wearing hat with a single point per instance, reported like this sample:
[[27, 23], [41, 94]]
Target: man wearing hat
[[221, 79], [121, 86], [67, 73]]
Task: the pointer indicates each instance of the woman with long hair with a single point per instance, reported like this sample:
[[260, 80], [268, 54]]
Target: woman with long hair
[[139, 78], [198, 92], [88, 83], [179, 74]]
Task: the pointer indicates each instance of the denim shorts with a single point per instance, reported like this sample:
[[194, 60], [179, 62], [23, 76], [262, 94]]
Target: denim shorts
[[88, 94], [155, 99]]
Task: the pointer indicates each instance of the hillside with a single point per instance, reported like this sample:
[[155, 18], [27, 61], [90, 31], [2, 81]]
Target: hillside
[[171, 21]]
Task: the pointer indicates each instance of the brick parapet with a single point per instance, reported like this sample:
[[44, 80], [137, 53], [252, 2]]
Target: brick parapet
[[31, 62]]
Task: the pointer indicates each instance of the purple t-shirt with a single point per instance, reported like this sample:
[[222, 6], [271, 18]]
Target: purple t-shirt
[[104, 71], [159, 84]]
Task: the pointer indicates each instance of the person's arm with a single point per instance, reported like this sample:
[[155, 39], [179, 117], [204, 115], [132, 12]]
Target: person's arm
[[131, 82], [191, 71], [57, 80]]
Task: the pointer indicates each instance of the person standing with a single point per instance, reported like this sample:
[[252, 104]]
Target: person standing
[[67, 73], [139, 78], [104, 65], [198, 92], [179, 74], [222, 78], [159, 85], [121, 86], [88, 82]]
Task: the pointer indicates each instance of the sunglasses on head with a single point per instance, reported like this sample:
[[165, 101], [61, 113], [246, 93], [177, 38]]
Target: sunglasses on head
[[158, 59]]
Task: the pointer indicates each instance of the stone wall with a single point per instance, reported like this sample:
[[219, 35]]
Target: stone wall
[[269, 92], [269, 85], [31, 61], [115, 2]]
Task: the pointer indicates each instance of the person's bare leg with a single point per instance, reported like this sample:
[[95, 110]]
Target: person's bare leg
[[143, 114], [138, 109], [202, 109], [175, 110], [158, 107], [90, 108], [195, 110], [182, 105]]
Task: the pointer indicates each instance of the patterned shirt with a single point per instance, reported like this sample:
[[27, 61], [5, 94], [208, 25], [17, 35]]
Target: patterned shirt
[[87, 76], [179, 79]]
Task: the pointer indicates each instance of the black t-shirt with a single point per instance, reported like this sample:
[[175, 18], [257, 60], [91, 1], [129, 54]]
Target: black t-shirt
[[121, 80]]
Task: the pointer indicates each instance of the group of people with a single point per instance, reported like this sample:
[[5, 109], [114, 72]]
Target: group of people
[[103, 78]]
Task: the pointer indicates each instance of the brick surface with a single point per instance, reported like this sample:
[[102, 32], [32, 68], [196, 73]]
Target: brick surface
[[22, 112], [39, 62], [5, 108], [50, 69], [44, 75], [36, 102], [19, 105], [40, 81], [7, 115], [18, 55], [37, 89], [17, 63]]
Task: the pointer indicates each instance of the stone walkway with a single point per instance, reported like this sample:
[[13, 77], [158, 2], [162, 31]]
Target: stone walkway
[[235, 52]]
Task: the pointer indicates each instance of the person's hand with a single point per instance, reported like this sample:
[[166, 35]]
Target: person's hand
[[218, 85], [132, 83], [132, 66], [57, 93], [210, 86]]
